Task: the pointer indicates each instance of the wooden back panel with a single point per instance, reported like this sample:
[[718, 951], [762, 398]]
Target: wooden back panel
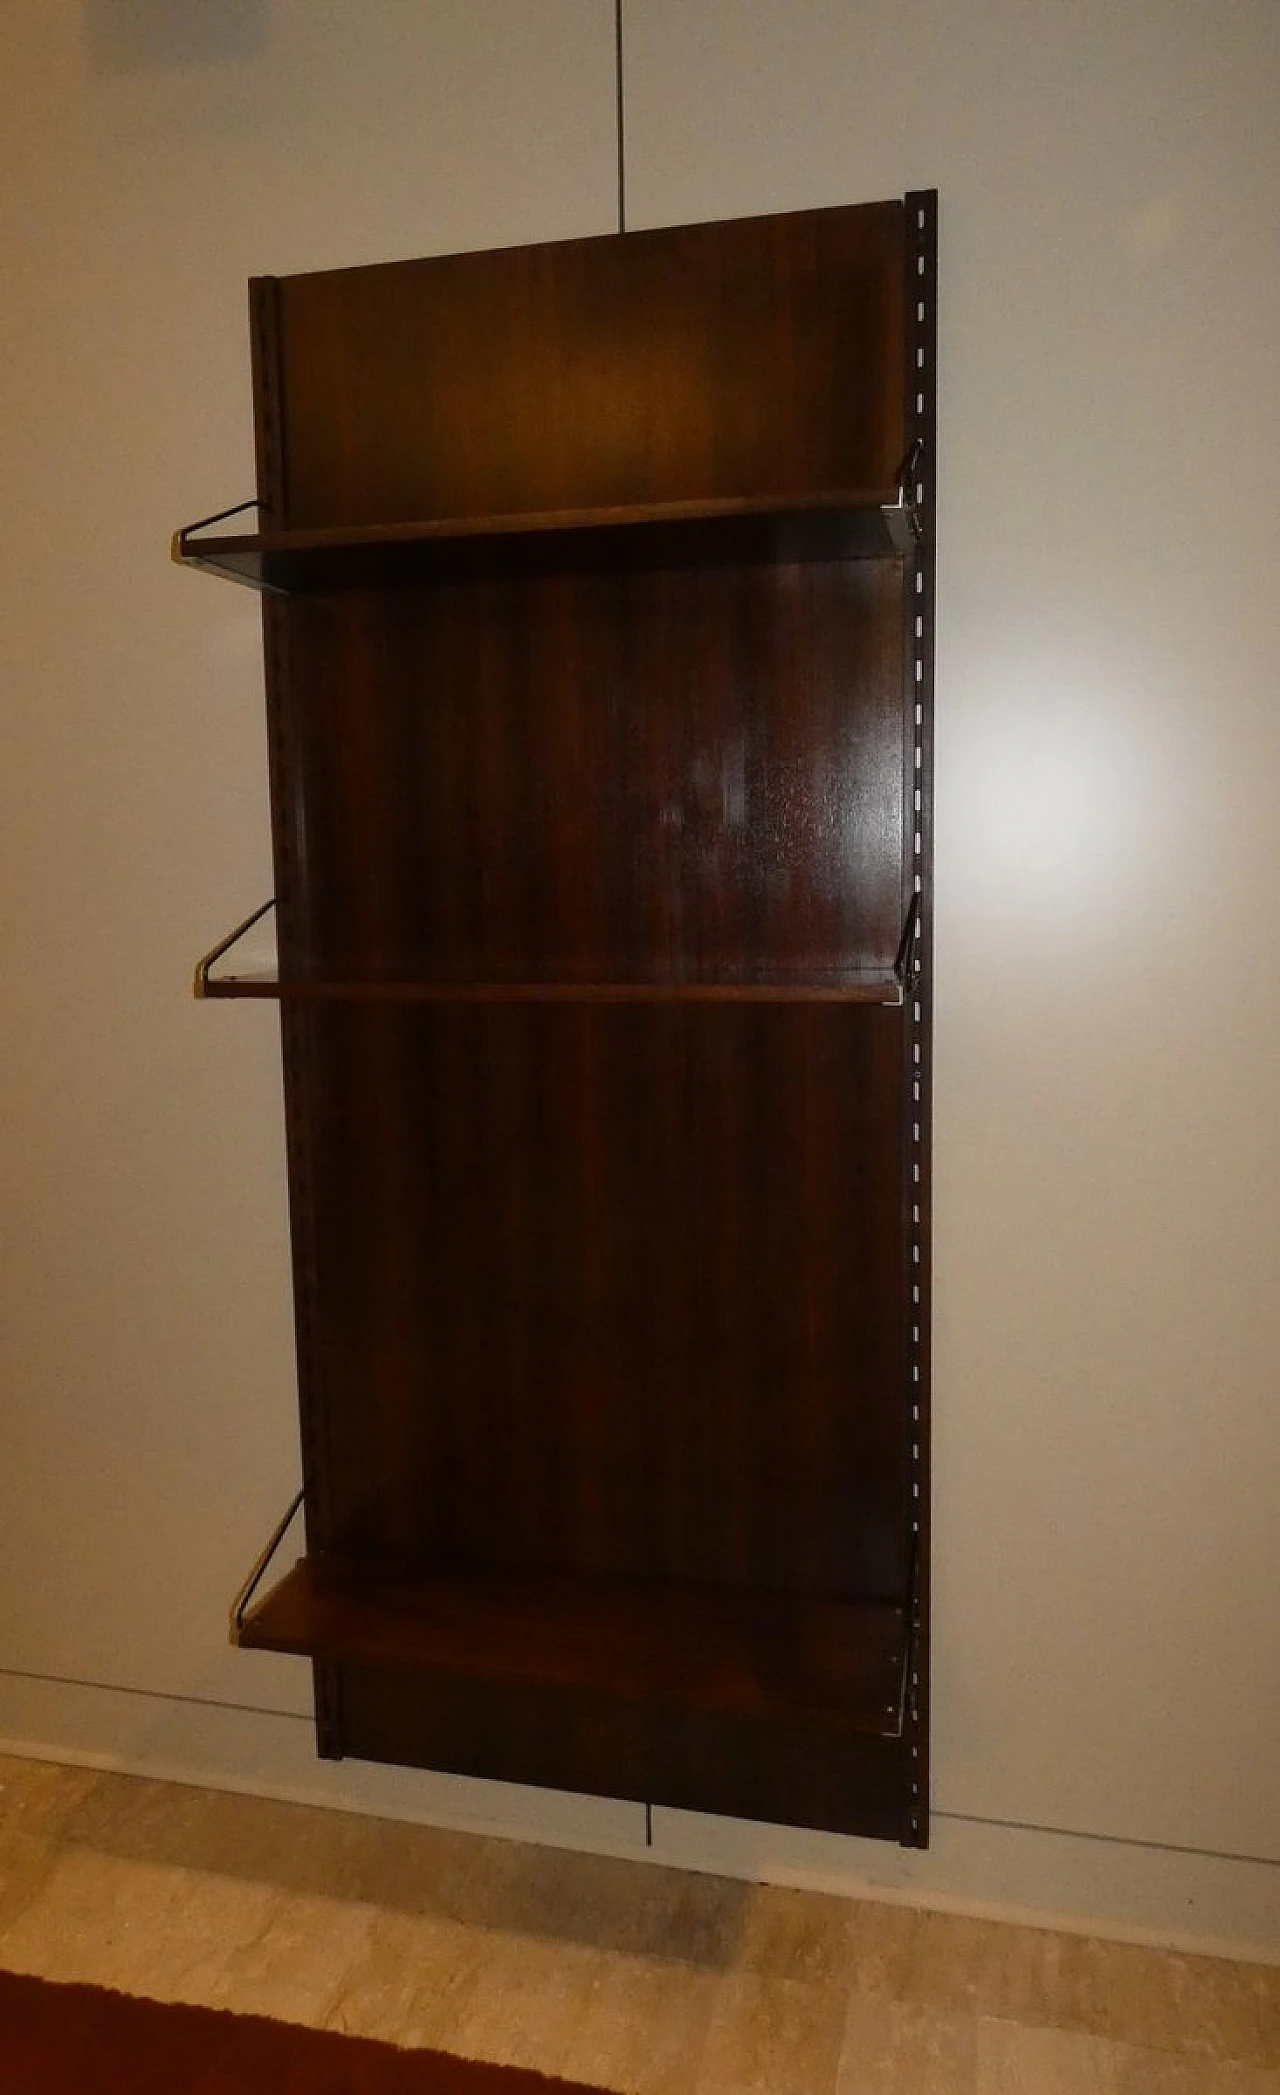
[[616, 1291], [681, 777], [759, 357], [586, 1288]]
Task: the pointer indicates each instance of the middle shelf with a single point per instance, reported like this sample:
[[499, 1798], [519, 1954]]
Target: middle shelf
[[255, 973]]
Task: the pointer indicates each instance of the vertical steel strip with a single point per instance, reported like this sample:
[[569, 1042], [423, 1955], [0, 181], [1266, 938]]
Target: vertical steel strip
[[297, 1020], [922, 249], [620, 99]]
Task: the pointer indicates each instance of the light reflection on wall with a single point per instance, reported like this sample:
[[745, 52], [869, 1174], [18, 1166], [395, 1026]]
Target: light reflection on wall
[[1057, 803]]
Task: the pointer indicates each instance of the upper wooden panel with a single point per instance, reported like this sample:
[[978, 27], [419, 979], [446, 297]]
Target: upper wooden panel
[[638, 778], [756, 358]]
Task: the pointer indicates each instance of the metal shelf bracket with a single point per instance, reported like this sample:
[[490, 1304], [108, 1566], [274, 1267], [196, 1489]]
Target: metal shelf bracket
[[240, 1605], [203, 986]]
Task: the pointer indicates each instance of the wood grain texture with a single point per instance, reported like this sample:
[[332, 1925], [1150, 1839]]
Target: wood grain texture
[[784, 1767], [602, 1289], [702, 1647], [843, 524], [755, 358], [878, 985], [679, 778], [664, 1242]]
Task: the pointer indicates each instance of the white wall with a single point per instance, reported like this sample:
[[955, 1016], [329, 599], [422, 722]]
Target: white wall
[[1107, 1454]]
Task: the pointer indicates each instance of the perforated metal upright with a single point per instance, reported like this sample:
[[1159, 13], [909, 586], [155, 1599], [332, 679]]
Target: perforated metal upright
[[922, 350]]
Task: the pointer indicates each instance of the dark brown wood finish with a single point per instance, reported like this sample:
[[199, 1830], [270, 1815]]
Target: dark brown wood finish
[[762, 357], [783, 1767], [758, 1654], [286, 736], [721, 806], [593, 790], [662, 1240], [848, 524], [877, 985]]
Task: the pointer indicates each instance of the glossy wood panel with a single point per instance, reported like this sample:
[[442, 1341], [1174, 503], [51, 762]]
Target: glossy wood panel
[[686, 776], [785, 1768], [614, 1291], [757, 357], [700, 1647], [841, 525]]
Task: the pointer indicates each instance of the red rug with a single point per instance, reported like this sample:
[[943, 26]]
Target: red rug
[[82, 2040]]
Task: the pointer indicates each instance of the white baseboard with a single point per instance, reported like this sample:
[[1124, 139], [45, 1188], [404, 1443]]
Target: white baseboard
[[1203, 1904]]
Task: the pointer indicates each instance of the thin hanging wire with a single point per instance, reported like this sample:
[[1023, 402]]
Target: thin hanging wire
[[622, 161]]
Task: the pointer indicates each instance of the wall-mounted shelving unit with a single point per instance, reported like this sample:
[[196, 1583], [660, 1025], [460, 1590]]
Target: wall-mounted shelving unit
[[598, 623]]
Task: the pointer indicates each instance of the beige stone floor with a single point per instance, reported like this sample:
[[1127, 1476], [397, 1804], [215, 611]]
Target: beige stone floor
[[635, 1977]]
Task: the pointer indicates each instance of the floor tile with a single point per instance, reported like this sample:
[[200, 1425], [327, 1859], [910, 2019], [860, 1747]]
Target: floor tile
[[412, 1979], [643, 2030], [26, 1864], [1011, 2059], [606, 1904], [143, 1927], [638, 1979], [1143, 2072], [771, 2036], [983, 1967], [297, 1964], [894, 2047], [797, 1935], [600, 2016], [1205, 2007], [520, 2001], [881, 1940], [38, 1798]]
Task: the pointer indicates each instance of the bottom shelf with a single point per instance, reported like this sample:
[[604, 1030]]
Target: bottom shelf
[[713, 1648]]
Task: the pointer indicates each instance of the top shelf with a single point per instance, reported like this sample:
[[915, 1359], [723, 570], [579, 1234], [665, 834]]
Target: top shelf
[[836, 524]]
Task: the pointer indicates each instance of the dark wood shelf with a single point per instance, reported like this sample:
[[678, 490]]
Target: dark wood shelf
[[878, 986], [744, 1652], [868, 982], [838, 524]]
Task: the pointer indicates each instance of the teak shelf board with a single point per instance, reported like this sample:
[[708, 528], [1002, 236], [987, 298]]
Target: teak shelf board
[[751, 1653], [869, 983], [877, 987], [838, 524]]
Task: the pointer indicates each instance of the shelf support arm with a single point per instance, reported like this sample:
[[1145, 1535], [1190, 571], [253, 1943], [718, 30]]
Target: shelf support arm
[[240, 1605], [185, 547], [906, 965], [203, 987], [903, 520]]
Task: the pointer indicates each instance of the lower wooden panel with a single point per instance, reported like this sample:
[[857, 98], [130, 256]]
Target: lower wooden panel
[[784, 1770], [612, 1294]]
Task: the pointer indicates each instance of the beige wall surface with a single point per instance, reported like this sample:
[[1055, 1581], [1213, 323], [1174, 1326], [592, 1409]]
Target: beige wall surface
[[1107, 1466]]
